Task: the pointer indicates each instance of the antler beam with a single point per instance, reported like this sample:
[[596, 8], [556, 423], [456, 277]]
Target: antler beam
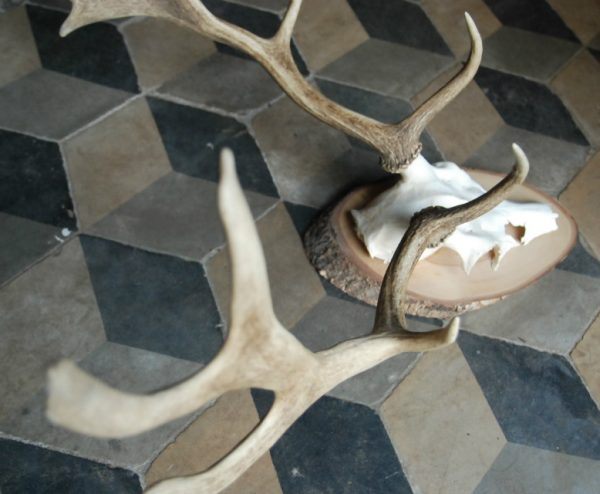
[[259, 351], [398, 144]]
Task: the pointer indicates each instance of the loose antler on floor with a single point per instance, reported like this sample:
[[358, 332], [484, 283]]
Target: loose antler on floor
[[259, 352]]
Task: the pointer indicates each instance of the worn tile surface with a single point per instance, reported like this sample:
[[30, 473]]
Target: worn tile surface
[[111, 251], [441, 424]]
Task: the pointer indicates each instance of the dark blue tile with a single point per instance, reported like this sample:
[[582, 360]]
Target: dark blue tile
[[531, 15], [95, 53], [529, 105], [399, 21], [152, 301], [28, 469], [537, 398], [193, 139], [377, 106], [336, 447], [33, 183], [259, 22], [580, 261]]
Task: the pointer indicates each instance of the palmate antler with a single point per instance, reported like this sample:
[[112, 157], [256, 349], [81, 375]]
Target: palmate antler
[[398, 144], [259, 352]]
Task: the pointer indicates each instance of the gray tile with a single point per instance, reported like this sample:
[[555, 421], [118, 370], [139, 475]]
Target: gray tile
[[387, 68], [522, 469], [224, 82], [332, 321], [532, 55], [295, 285], [47, 313], [128, 369], [19, 55], [551, 314], [553, 162], [52, 105], [270, 5], [176, 215], [23, 242], [311, 163]]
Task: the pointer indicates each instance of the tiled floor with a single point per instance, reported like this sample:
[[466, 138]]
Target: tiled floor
[[111, 252]]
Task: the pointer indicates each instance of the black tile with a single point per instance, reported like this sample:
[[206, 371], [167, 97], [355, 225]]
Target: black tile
[[95, 53], [596, 53], [399, 21], [537, 398], [377, 106], [152, 301], [193, 139], [580, 261], [302, 216], [33, 183], [528, 105], [28, 469], [336, 447], [531, 15], [259, 22], [334, 291]]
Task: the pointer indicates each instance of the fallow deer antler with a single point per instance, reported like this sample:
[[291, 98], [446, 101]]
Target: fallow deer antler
[[259, 351], [398, 144]]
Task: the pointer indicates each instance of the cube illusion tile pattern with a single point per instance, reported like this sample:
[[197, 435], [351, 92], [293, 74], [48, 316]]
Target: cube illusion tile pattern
[[112, 253]]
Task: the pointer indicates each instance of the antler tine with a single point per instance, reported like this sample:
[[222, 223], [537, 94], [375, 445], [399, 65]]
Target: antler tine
[[398, 144]]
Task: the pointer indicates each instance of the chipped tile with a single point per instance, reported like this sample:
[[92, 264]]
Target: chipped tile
[[449, 19], [33, 183], [577, 85], [161, 50], [465, 124], [587, 358], [582, 200], [176, 215], [520, 469], [295, 286], [552, 314], [224, 82], [387, 68], [36, 469], [537, 397], [336, 446], [22, 243], [125, 368], [19, 55], [310, 162], [529, 105], [325, 32], [553, 162], [51, 105], [152, 301], [105, 169], [441, 424], [527, 54], [582, 16], [219, 429], [47, 313]]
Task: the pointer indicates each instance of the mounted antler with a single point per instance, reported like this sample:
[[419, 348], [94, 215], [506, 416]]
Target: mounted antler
[[398, 144], [259, 351]]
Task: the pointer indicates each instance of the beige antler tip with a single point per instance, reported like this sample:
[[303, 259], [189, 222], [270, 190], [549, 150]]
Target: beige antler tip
[[522, 164], [474, 33], [453, 329]]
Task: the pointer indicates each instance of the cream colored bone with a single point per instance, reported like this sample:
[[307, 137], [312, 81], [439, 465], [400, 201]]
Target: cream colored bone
[[398, 144], [259, 352]]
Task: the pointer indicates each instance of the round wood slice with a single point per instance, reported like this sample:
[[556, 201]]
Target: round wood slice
[[439, 287]]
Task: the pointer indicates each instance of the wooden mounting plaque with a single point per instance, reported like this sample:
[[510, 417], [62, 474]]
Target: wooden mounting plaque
[[439, 287]]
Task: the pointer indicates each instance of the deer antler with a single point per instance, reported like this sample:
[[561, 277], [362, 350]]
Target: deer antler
[[259, 351], [398, 144]]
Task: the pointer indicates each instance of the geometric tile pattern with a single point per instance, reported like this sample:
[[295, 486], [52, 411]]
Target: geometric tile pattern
[[112, 252]]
